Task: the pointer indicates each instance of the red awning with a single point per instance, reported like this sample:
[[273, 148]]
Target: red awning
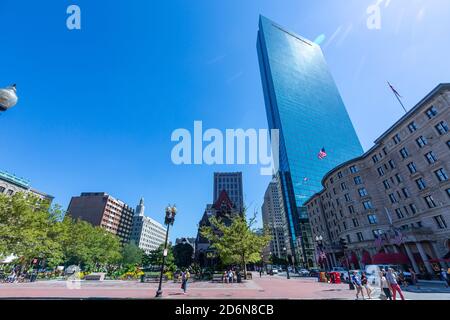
[[390, 258], [366, 259]]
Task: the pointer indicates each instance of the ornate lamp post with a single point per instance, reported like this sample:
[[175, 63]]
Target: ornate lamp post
[[8, 98], [287, 263], [168, 221], [319, 240]]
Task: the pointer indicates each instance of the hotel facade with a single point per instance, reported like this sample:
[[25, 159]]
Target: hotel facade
[[392, 204]]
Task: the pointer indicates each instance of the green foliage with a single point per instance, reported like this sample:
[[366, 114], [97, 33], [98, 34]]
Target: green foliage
[[132, 254], [236, 243], [30, 228], [155, 258], [183, 255]]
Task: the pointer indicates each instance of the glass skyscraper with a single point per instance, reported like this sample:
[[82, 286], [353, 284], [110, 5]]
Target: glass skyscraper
[[303, 102]]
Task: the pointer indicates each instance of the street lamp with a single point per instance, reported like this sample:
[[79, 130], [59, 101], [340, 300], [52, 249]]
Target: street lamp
[[8, 98], [319, 240], [168, 221], [287, 263]]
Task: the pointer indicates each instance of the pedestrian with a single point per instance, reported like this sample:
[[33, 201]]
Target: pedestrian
[[184, 280], [230, 276], [402, 279], [225, 277], [260, 272], [356, 281], [444, 277], [414, 278], [365, 284], [384, 284], [391, 277]]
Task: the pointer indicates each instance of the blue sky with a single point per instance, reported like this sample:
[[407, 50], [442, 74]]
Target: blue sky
[[98, 106]]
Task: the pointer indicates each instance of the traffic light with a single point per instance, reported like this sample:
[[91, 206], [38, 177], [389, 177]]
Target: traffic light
[[343, 243]]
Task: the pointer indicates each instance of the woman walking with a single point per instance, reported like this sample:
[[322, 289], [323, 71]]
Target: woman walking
[[184, 280], [384, 284], [365, 284], [358, 285], [392, 279]]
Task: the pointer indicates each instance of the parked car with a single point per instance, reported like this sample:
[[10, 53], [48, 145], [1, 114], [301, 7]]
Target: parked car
[[303, 273], [314, 272], [274, 271]]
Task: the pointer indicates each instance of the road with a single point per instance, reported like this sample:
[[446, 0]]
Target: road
[[267, 287]]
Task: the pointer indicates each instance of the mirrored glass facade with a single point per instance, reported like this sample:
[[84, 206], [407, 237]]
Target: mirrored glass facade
[[303, 102]]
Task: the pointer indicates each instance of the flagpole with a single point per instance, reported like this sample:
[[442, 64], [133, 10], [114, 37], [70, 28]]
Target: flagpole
[[396, 94]]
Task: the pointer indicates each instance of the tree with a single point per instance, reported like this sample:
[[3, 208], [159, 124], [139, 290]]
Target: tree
[[132, 254], [183, 255], [236, 243], [87, 245], [155, 258], [29, 228]]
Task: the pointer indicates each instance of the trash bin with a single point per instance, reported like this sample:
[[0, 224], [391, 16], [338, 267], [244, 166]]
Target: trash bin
[[239, 278]]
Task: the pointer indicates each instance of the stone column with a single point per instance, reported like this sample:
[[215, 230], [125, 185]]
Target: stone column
[[424, 258], [436, 252], [411, 258], [395, 248]]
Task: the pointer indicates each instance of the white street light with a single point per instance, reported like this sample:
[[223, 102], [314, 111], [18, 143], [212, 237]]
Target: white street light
[[8, 98]]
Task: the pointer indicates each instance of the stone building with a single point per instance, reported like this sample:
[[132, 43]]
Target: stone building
[[11, 184], [392, 204]]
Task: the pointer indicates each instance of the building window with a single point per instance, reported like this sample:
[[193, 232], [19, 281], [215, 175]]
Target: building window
[[363, 192], [385, 151], [357, 180], [404, 153], [431, 157], [349, 239], [421, 142], [392, 198], [397, 139], [340, 175], [413, 208], [386, 184], [351, 209], [442, 128], [380, 171], [347, 197], [372, 219], [431, 113], [430, 202], [441, 175], [421, 184], [412, 127], [2, 189], [406, 193], [399, 213], [448, 192], [377, 233], [355, 223], [343, 186], [412, 167], [440, 221], [375, 159], [9, 192], [354, 169], [360, 237], [392, 164], [367, 205], [399, 178], [448, 143]]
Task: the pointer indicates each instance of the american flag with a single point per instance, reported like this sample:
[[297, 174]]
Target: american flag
[[322, 154], [398, 237], [378, 242]]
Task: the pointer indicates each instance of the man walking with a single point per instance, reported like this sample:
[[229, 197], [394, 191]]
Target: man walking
[[391, 277], [444, 277], [358, 285]]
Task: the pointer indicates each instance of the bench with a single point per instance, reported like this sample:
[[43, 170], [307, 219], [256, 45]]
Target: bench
[[217, 277], [95, 277], [152, 279]]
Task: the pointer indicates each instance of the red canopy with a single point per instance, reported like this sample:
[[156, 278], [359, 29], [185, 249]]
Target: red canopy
[[366, 259], [390, 258]]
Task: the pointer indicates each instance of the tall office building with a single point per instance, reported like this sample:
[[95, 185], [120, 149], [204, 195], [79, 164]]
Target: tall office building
[[274, 219], [231, 182], [303, 102], [100, 209], [147, 233]]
